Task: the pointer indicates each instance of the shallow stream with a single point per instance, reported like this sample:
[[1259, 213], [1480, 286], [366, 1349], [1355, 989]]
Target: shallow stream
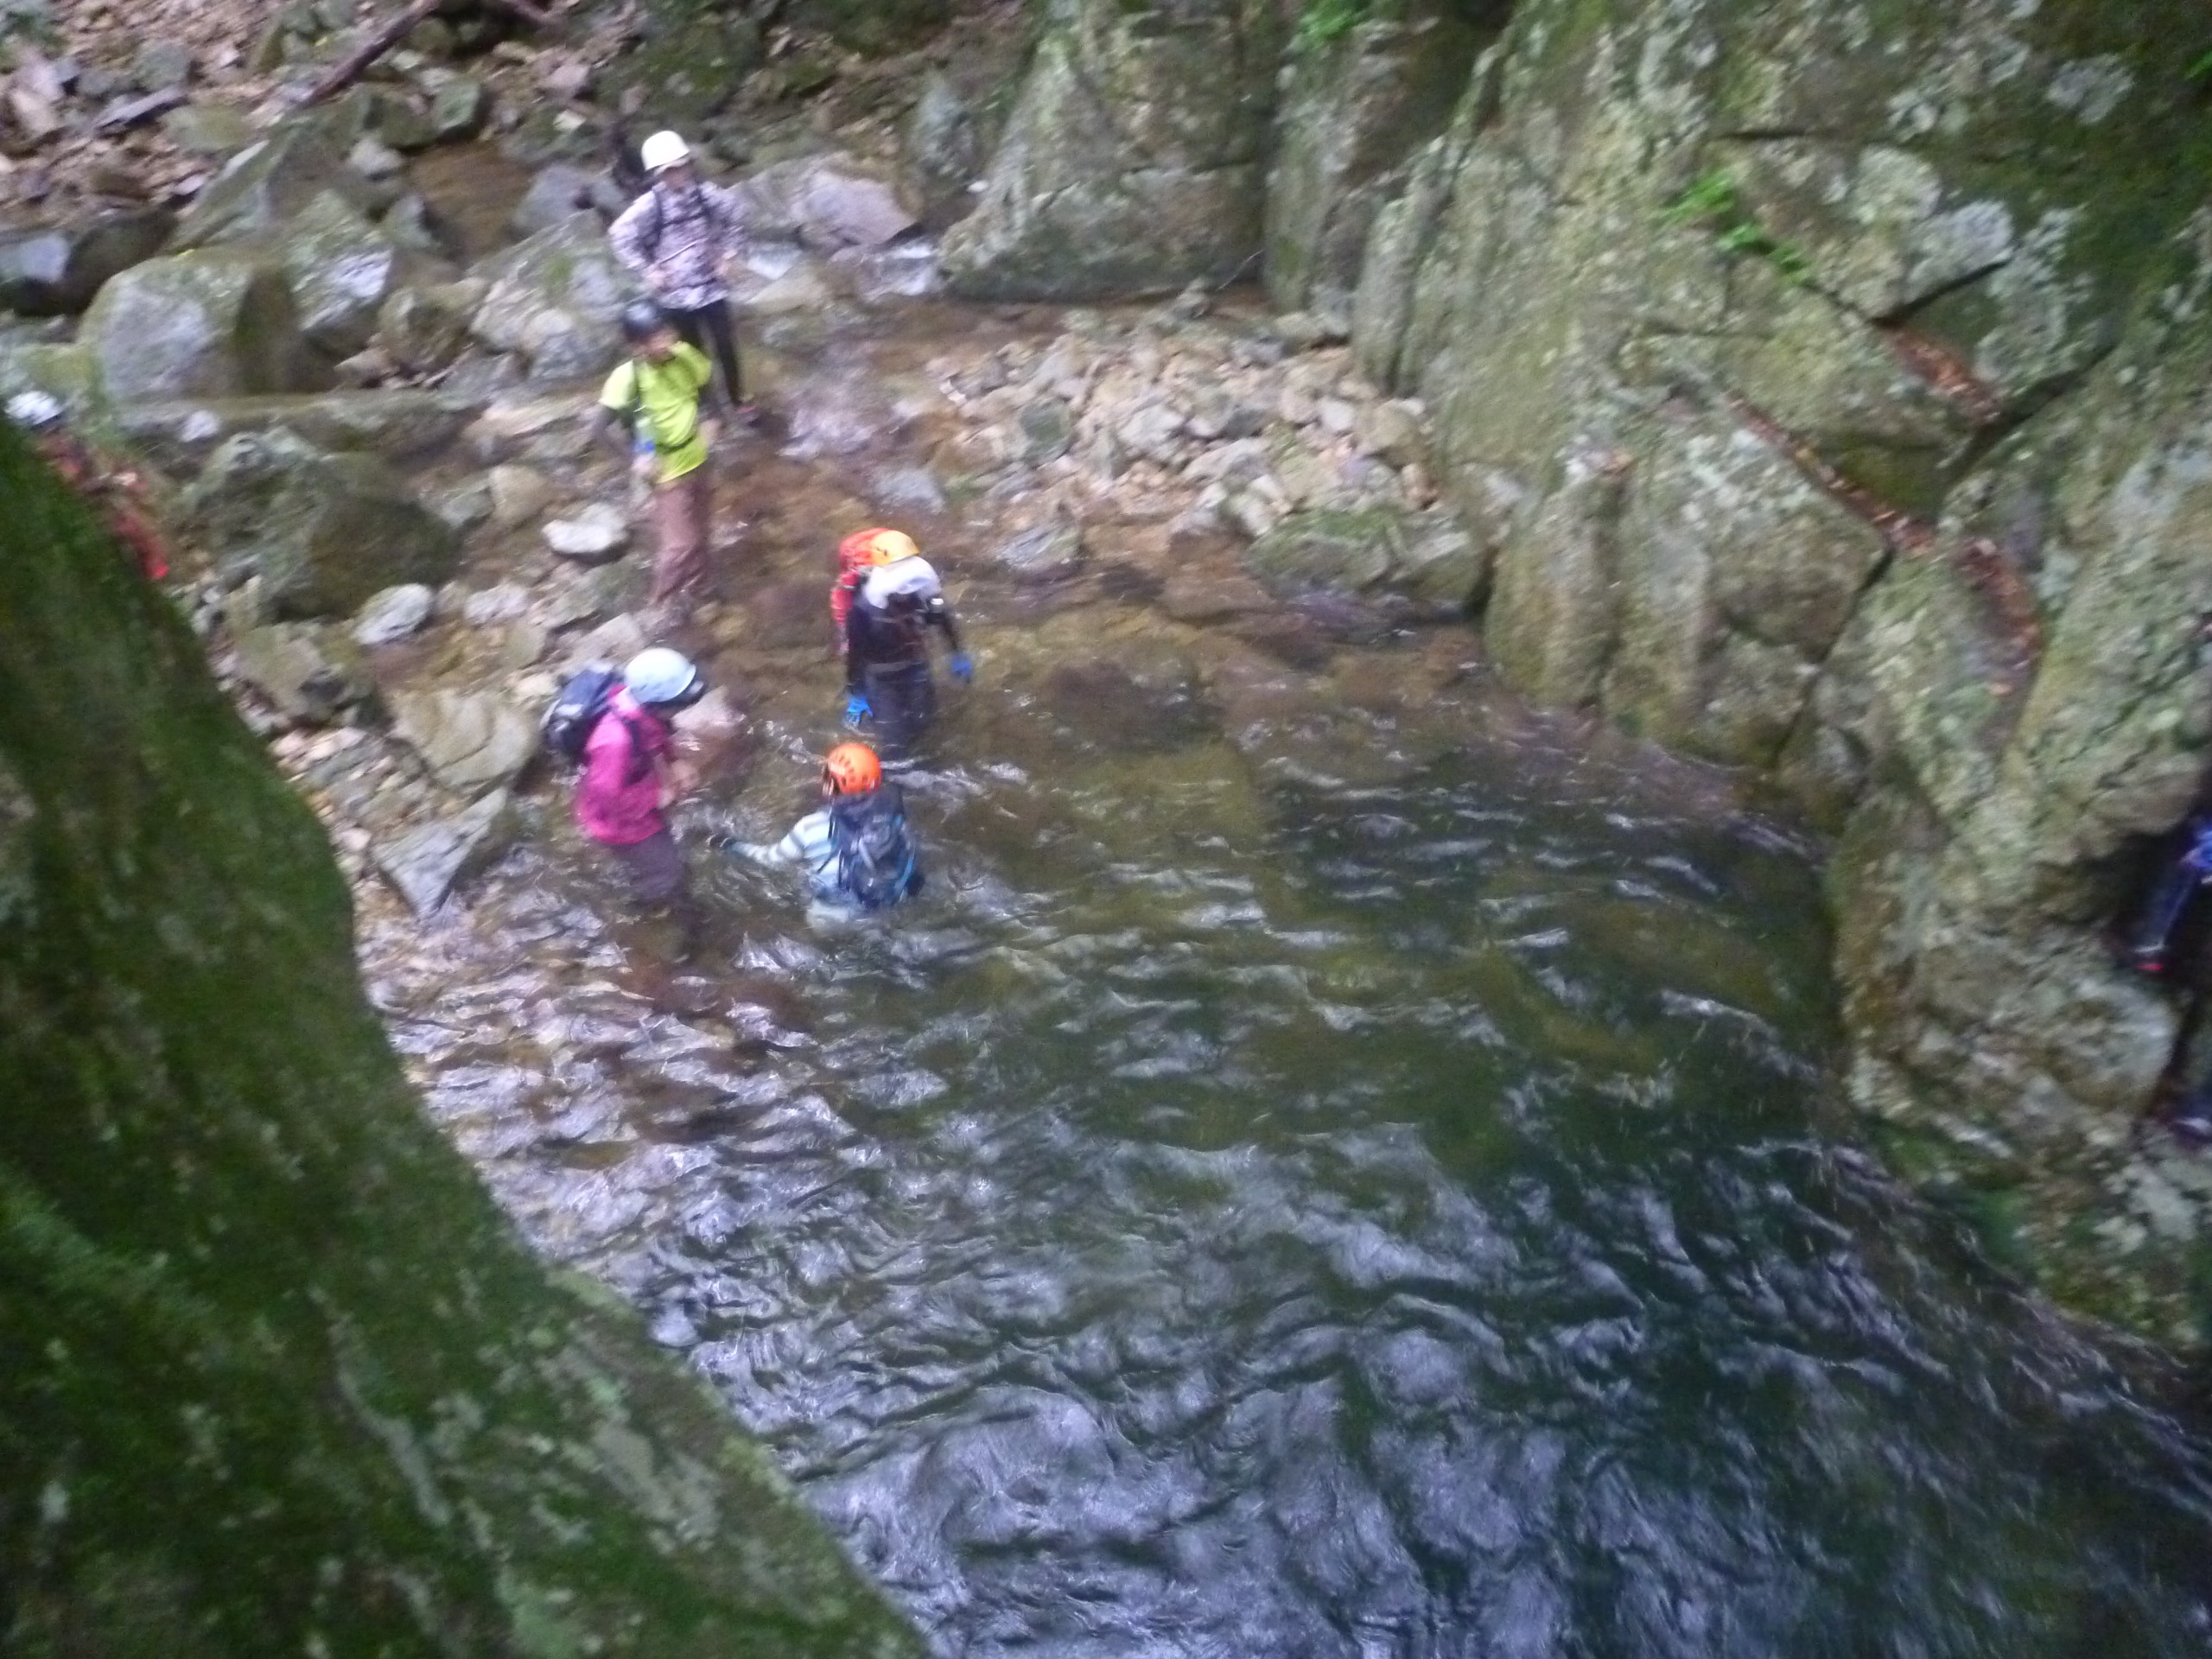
[[1298, 1184]]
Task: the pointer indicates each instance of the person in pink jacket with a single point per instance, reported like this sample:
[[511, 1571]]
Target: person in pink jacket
[[631, 776]]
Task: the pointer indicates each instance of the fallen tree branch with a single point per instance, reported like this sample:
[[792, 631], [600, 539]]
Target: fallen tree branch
[[348, 69], [345, 72]]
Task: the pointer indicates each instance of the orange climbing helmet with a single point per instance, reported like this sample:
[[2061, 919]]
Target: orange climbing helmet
[[851, 769], [888, 546]]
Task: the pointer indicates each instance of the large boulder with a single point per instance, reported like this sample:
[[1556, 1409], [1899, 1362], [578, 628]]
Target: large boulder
[[209, 324], [308, 672], [471, 740], [827, 202], [1133, 162], [555, 300], [262, 188], [323, 532], [57, 270], [341, 268]]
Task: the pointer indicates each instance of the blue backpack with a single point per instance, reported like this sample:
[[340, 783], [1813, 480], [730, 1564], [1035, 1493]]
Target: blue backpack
[[878, 863]]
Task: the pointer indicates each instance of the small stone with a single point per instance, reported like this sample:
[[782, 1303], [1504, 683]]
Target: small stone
[[161, 65], [502, 602], [519, 495], [1047, 428], [373, 158], [466, 506], [1391, 433], [1336, 416], [308, 672], [459, 109], [393, 614], [596, 535]]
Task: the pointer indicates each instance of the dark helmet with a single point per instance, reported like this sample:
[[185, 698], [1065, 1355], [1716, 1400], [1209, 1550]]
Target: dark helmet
[[642, 320]]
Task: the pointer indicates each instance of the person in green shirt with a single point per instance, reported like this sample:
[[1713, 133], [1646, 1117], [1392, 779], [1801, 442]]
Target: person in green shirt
[[649, 406]]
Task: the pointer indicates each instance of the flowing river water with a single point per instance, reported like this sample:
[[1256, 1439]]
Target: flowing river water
[[1336, 1166]]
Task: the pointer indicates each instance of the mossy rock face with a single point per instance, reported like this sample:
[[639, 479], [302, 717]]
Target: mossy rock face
[[1830, 380], [263, 188], [688, 64], [1356, 109], [280, 1378]]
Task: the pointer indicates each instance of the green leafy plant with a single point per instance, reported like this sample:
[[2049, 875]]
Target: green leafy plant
[[2202, 69], [1323, 20], [1711, 201]]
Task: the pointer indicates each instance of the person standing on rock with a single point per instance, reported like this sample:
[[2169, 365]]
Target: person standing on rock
[[631, 776], [888, 688], [681, 237], [649, 409]]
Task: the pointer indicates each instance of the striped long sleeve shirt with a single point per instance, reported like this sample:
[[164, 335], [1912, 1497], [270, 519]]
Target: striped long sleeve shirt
[[675, 238]]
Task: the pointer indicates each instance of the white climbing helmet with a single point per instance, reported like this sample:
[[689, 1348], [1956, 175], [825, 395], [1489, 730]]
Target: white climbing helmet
[[33, 409], [664, 150], [661, 675]]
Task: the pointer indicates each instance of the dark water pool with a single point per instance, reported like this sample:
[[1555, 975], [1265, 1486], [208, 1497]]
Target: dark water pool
[[1289, 1219]]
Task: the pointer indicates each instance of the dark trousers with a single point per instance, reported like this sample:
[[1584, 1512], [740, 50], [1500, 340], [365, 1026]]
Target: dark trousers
[[710, 330], [902, 698], [655, 867]]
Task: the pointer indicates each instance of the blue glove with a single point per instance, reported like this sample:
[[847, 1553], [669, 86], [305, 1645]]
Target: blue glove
[[962, 666], [857, 709], [2199, 856]]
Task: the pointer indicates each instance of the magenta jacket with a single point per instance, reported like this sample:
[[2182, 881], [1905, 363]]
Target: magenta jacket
[[617, 802]]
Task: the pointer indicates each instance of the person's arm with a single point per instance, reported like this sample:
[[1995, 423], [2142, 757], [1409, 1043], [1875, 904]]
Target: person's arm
[[939, 614], [791, 849], [626, 236], [729, 223], [606, 428]]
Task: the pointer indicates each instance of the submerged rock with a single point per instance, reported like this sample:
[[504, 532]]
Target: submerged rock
[[426, 863]]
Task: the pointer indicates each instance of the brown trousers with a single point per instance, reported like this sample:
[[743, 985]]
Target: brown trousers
[[684, 513]]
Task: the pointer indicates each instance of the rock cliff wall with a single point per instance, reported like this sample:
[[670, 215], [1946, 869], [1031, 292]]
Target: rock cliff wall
[[1823, 383], [1828, 382], [274, 1378]]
